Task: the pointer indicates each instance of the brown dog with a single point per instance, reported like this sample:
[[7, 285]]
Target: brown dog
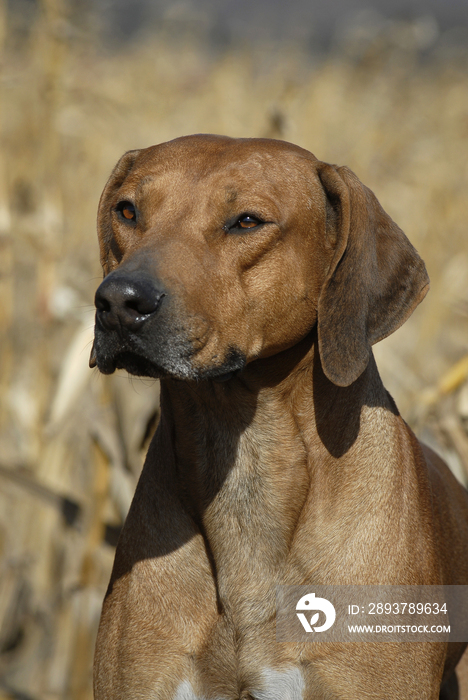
[[252, 279]]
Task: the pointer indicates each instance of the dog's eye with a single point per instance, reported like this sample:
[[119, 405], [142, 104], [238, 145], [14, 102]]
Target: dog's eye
[[127, 210], [247, 221]]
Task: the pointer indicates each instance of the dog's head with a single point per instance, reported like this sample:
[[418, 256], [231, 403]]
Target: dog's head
[[220, 251]]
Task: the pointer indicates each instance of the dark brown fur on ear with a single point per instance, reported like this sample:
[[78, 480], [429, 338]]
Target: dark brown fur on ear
[[118, 175], [375, 282]]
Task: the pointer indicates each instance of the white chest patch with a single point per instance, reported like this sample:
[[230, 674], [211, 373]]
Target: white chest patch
[[277, 685], [185, 692], [281, 685]]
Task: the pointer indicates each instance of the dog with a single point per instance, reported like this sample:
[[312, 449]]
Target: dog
[[252, 279]]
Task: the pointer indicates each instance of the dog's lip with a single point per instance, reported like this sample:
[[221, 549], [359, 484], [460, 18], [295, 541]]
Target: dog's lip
[[125, 357], [137, 364], [140, 365]]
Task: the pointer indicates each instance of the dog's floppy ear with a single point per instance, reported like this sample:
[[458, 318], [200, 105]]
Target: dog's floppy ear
[[118, 175], [374, 283]]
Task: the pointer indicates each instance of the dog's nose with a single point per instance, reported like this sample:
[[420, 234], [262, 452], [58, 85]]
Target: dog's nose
[[126, 303]]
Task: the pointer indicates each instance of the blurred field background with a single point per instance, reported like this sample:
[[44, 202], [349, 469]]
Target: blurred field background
[[386, 96]]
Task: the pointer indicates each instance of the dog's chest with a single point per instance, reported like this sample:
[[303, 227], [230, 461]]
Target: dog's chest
[[253, 498], [247, 527]]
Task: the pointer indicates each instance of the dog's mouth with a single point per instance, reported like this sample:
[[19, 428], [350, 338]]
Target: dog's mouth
[[140, 365], [153, 353], [171, 361], [134, 364]]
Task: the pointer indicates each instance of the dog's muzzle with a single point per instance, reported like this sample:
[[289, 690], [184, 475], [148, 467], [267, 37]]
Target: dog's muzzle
[[127, 327], [138, 329]]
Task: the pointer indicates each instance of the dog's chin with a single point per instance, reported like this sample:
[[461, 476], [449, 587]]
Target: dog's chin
[[141, 366]]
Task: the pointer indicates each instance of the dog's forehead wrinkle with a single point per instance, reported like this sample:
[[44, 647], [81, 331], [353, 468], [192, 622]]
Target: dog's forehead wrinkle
[[147, 182], [231, 194]]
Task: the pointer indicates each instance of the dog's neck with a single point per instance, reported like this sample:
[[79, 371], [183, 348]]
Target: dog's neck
[[246, 452], [278, 411]]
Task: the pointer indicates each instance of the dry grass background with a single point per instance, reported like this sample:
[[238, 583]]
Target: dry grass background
[[72, 441]]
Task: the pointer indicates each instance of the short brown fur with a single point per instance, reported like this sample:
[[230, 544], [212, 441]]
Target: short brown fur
[[293, 467]]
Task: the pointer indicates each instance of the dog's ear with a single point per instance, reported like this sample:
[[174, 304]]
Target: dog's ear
[[118, 175], [375, 281]]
